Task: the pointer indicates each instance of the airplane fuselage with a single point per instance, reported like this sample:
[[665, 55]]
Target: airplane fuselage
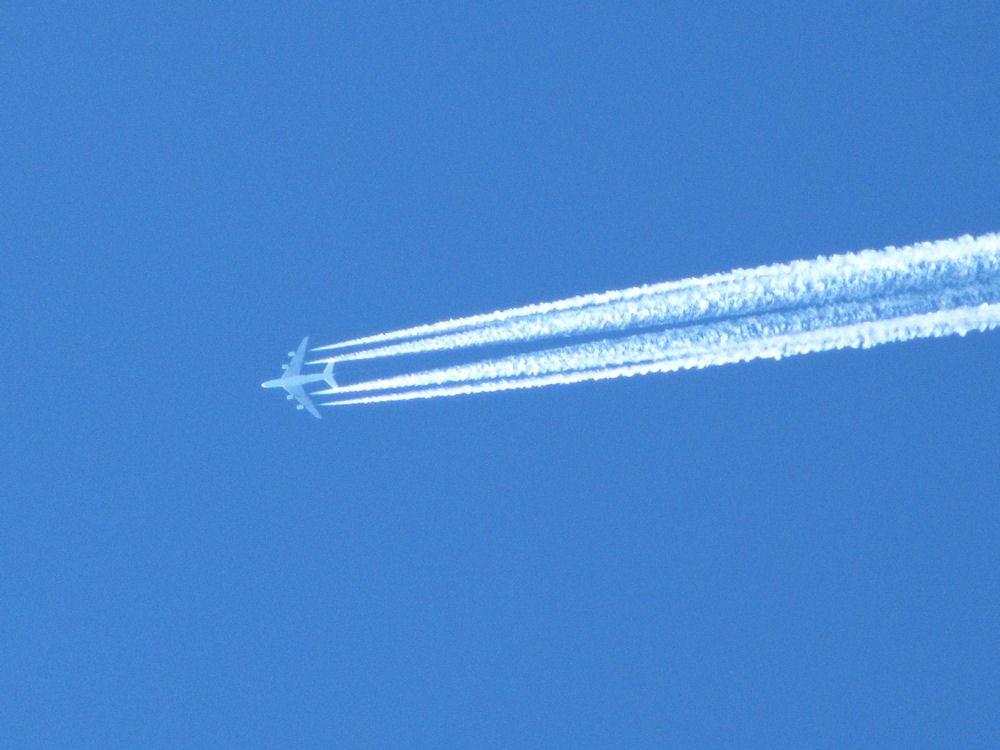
[[292, 380]]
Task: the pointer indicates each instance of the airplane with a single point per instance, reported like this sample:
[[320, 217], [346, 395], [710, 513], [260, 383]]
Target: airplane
[[292, 379]]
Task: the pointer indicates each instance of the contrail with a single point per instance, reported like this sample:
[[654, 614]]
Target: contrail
[[932, 325], [852, 276], [852, 300]]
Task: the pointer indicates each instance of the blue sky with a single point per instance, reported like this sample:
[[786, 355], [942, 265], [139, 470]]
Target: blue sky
[[777, 554]]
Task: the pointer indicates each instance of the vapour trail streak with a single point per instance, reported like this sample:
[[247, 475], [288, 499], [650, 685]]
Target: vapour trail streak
[[860, 335], [501, 316], [684, 340], [724, 316], [928, 249], [848, 276]]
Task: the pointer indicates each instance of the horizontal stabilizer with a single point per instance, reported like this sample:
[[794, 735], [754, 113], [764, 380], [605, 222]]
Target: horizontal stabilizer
[[328, 375]]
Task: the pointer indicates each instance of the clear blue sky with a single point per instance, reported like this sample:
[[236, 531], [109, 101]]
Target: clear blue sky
[[780, 554]]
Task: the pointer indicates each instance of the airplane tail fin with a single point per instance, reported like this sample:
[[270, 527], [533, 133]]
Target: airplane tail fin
[[328, 375]]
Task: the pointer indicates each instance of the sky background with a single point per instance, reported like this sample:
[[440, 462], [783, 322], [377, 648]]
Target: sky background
[[801, 553]]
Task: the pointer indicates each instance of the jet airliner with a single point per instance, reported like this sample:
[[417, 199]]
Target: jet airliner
[[292, 379]]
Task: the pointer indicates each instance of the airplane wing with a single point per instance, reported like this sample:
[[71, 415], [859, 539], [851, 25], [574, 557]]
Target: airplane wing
[[301, 396], [295, 366]]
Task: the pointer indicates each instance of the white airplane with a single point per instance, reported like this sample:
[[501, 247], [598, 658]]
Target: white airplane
[[292, 379]]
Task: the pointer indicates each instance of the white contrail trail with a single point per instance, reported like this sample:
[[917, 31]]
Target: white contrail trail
[[685, 339], [849, 276], [501, 316], [489, 320], [929, 289], [861, 335]]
